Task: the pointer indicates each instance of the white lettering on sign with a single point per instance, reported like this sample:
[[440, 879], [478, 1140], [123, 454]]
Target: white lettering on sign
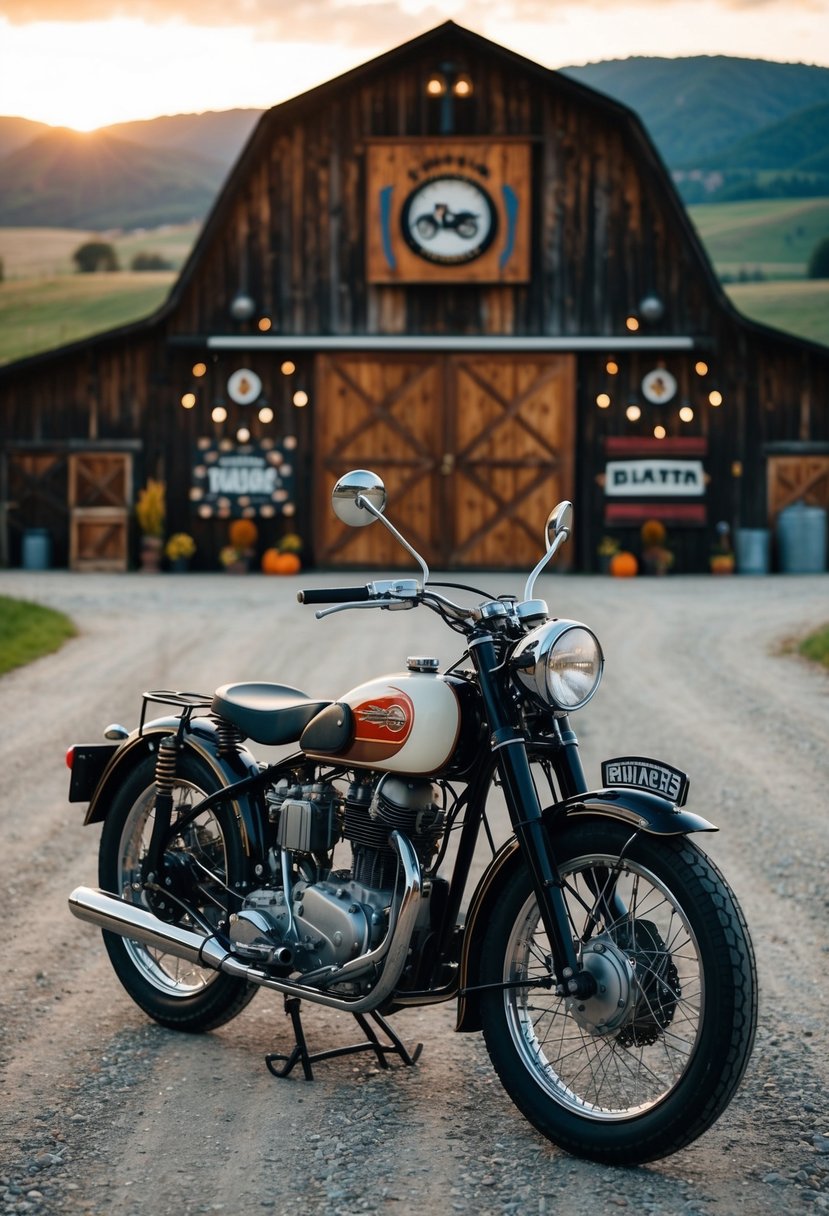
[[644, 776], [259, 479], [643, 478]]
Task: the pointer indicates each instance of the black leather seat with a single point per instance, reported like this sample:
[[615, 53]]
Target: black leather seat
[[266, 713]]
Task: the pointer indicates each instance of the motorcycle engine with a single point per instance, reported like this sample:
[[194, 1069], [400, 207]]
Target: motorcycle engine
[[344, 913]]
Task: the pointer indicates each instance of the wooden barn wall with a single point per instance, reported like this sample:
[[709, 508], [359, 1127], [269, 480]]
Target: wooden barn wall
[[604, 228]]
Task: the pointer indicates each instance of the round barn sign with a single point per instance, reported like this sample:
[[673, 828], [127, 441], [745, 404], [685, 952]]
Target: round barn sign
[[658, 386], [244, 386]]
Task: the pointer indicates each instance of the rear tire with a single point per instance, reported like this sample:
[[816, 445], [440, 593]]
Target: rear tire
[[646, 1065], [174, 992]]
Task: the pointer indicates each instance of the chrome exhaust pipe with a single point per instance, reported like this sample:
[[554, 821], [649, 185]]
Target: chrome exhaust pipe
[[140, 925]]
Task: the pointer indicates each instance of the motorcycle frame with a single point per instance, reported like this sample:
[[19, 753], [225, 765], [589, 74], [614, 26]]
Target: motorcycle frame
[[511, 751]]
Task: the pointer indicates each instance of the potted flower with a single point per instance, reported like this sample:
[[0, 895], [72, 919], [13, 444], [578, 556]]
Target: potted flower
[[150, 512], [657, 558], [607, 549], [721, 560], [179, 549], [236, 556]]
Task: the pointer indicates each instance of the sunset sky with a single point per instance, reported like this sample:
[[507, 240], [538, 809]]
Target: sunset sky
[[89, 63]]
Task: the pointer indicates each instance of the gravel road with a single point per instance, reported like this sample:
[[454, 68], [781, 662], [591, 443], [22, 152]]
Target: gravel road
[[103, 1113]]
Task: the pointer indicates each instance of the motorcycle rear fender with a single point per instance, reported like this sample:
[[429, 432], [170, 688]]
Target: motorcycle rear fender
[[642, 810], [201, 738]]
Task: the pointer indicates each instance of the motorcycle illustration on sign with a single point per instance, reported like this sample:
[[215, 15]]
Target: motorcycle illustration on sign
[[602, 954], [449, 219]]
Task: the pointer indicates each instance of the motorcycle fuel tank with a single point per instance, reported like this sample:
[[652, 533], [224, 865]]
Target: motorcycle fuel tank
[[406, 723]]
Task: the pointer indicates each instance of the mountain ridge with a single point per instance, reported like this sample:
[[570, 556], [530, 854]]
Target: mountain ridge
[[702, 112]]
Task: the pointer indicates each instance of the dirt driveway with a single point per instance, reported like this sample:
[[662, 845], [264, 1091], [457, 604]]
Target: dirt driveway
[[102, 1112]]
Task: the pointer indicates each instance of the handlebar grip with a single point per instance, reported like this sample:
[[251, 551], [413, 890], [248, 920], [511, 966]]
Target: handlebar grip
[[333, 595]]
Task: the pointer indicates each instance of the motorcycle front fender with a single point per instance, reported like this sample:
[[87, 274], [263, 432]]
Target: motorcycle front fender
[[642, 810], [202, 739]]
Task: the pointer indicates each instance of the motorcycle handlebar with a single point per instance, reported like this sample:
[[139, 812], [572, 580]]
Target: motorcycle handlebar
[[333, 595]]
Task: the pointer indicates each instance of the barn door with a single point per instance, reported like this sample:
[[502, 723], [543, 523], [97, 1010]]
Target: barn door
[[797, 478], [385, 415], [100, 493], [511, 456], [36, 483], [474, 451]]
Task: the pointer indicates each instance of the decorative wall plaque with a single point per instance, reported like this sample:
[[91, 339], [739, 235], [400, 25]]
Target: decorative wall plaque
[[448, 210]]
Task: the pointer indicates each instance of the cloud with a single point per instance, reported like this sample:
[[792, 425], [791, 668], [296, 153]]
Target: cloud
[[343, 21]]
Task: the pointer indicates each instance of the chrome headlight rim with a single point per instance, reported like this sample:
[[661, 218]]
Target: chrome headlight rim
[[539, 645]]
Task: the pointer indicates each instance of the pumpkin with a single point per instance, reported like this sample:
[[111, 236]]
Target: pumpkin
[[623, 565], [722, 563], [275, 562]]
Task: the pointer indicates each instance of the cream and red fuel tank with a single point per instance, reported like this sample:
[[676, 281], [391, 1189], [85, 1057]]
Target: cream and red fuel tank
[[405, 723]]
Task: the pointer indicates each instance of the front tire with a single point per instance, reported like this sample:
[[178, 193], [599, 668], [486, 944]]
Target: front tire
[[174, 992], [648, 1063]]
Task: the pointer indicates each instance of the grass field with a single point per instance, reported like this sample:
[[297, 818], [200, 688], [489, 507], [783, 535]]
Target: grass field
[[776, 236], [28, 631], [816, 647], [36, 315], [800, 307], [38, 253]]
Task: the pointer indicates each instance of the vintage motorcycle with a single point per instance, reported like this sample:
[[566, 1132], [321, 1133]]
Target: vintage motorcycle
[[601, 953]]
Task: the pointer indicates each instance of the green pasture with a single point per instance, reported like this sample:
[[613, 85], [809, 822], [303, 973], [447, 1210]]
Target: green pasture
[[36, 315], [38, 253], [28, 631], [799, 307], [776, 236]]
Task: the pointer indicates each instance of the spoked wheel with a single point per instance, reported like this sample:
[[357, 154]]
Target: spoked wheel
[[205, 860], [645, 1065]]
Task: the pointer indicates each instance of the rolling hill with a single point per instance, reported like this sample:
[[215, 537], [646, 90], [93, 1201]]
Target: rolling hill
[[730, 128], [699, 106], [67, 179]]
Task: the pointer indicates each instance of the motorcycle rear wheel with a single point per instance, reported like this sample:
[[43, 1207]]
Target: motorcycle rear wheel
[[649, 1062], [174, 992]]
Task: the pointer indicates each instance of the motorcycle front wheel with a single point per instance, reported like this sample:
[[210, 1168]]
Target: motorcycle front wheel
[[208, 856], [645, 1065]]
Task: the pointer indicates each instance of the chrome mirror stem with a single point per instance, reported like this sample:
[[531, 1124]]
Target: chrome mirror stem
[[559, 540], [363, 502]]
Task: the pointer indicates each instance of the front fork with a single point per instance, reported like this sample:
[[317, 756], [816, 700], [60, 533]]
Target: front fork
[[509, 744]]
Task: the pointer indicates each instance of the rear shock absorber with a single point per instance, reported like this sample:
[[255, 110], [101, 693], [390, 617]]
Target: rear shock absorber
[[165, 778]]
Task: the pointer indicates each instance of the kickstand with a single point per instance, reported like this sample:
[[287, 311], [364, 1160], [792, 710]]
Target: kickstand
[[301, 1054]]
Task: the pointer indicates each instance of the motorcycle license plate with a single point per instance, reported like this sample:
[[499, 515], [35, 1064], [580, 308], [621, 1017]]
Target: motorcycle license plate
[[641, 773]]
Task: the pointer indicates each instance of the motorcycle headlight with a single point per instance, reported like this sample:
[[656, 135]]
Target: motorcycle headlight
[[560, 664]]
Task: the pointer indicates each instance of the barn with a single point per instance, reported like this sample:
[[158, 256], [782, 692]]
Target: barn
[[457, 268]]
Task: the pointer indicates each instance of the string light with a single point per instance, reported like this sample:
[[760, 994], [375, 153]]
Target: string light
[[199, 369], [701, 368], [219, 413], [243, 434], [188, 400], [659, 432], [266, 414], [288, 368], [611, 367], [264, 324], [632, 323], [686, 414], [633, 413], [603, 401], [300, 399], [715, 398]]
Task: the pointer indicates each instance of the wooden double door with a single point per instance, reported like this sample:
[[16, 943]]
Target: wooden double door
[[474, 451]]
